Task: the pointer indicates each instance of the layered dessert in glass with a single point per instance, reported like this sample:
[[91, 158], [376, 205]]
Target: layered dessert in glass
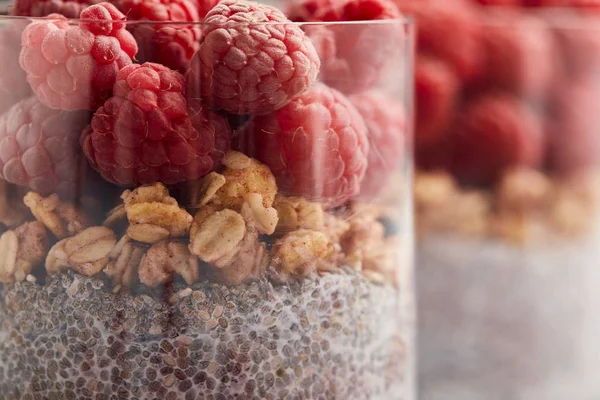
[[506, 196], [205, 201]]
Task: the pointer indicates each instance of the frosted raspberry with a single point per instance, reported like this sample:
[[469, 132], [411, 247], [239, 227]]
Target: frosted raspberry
[[574, 142], [252, 60], [39, 147], [518, 54], [172, 45], [316, 146], [13, 83], [386, 126], [437, 88], [450, 30], [43, 8], [497, 131], [353, 57], [73, 67], [147, 132]]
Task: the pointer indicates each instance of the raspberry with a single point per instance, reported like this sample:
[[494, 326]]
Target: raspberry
[[518, 54], [450, 31], [316, 146], [386, 125], [574, 142], [353, 58], [204, 6], [43, 8], [582, 4], [13, 83], [496, 132], [436, 88], [251, 69], [512, 3], [147, 132], [39, 147], [172, 45], [73, 67]]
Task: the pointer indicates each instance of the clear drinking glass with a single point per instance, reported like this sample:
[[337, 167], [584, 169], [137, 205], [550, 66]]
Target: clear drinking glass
[[209, 233], [507, 215]]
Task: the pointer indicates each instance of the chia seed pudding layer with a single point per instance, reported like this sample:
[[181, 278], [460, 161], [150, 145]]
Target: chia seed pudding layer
[[335, 336]]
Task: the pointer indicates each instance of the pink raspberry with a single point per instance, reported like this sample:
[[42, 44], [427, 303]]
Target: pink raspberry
[[147, 132], [73, 67], [354, 58], [449, 30], [518, 54], [251, 60], [13, 83], [39, 147], [437, 91], [43, 8], [172, 45], [497, 131], [574, 143], [386, 126], [316, 146]]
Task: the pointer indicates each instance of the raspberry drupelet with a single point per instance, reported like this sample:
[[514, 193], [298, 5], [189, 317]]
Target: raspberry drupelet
[[251, 60], [39, 147], [73, 67], [316, 146], [172, 44], [147, 132]]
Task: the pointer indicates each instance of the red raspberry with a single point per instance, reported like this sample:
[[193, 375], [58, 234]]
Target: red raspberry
[[450, 30], [147, 132], [574, 142], [354, 58], [172, 45], [73, 67], [437, 89], [583, 4], [386, 125], [496, 132], [519, 54], [13, 83], [39, 147], [511, 3], [252, 60], [204, 6], [43, 8], [316, 146]]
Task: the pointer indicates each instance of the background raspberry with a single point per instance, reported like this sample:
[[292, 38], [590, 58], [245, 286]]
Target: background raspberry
[[496, 131], [437, 95], [148, 132], [449, 30], [251, 69], [74, 67], [518, 54], [172, 45], [43, 8], [386, 128], [13, 83], [204, 6], [316, 146], [39, 147], [353, 58]]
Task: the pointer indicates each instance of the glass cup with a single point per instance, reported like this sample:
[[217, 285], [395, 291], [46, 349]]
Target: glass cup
[[507, 201], [240, 229]]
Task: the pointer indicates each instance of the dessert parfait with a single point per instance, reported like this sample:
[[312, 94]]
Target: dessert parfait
[[507, 196], [204, 201]]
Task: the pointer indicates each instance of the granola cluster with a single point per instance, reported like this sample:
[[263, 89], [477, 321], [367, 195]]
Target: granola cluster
[[237, 228], [525, 206]]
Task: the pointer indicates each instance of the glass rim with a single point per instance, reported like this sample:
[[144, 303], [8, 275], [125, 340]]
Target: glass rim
[[404, 21]]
